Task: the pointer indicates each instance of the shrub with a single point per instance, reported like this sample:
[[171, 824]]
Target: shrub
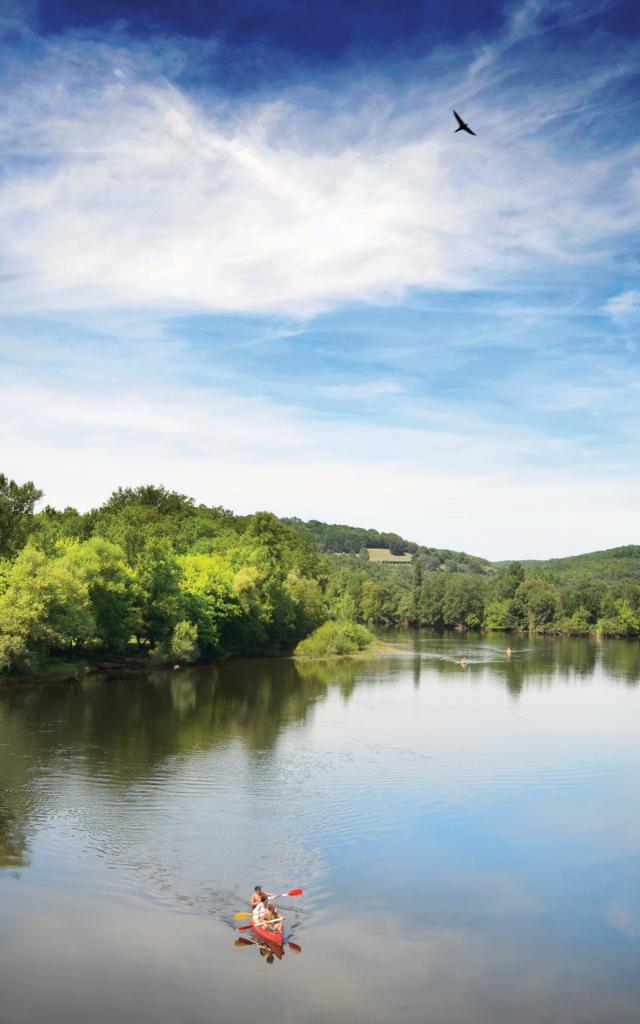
[[335, 638], [181, 647]]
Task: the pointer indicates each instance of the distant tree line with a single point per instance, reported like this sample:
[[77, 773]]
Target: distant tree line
[[514, 599], [150, 572]]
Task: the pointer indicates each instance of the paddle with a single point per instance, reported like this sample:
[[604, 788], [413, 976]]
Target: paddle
[[243, 927], [245, 913]]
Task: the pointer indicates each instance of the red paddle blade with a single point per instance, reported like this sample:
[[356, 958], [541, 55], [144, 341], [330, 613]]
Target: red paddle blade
[[244, 942], [295, 947], [243, 927], [294, 892]]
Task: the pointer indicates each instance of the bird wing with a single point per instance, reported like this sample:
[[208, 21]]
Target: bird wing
[[459, 119], [468, 129]]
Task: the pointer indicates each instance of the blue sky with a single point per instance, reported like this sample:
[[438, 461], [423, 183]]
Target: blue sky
[[244, 254]]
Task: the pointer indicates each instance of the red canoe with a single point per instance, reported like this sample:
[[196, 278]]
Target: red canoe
[[275, 938]]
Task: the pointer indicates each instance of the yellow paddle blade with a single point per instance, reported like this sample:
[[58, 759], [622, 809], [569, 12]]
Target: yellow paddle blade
[[241, 916]]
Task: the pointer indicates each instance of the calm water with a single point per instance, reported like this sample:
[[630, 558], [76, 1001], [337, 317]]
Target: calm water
[[468, 839]]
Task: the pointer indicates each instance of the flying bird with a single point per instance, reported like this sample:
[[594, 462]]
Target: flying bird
[[462, 127]]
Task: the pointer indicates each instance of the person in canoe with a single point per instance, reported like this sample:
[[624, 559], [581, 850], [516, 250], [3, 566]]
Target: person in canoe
[[266, 915], [261, 909], [273, 919], [257, 896]]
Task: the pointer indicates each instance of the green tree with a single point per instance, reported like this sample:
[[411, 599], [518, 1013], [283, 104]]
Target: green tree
[[500, 615], [374, 604], [506, 585], [51, 526], [432, 599], [629, 618], [462, 603], [101, 568], [538, 602], [584, 597], [181, 646], [207, 586], [17, 502], [156, 598], [310, 607], [44, 607], [417, 592]]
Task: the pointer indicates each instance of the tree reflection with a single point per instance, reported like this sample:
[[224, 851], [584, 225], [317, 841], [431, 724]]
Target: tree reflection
[[534, 660], [621, 659], [124, 727], [13, 844]]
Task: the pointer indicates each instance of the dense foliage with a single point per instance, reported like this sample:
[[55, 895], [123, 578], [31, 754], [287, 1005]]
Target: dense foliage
[[513, 599], [614, 564], [154, 573], [341, 637]]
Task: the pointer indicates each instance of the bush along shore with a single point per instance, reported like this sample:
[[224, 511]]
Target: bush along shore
[[151, 577], [334, 639]]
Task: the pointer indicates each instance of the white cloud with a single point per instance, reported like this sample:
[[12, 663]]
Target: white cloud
[[127, 199], [364, 390], [623, 307], [129, 191]]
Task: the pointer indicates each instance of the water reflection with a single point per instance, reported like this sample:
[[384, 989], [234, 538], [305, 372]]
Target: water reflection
[[490, 839], [532, 659], [269, 951], [13, 843], [127, 727]]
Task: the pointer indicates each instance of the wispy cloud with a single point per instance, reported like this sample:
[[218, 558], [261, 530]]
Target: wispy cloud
[[623, 307], [123, 188], [365, 390], [316, 297]]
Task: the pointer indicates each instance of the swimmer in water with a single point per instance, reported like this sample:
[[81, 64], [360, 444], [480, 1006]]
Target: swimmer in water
[[463, 662], [508, 652]]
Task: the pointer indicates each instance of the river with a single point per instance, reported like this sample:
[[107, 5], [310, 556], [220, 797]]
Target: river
[[467, 838]]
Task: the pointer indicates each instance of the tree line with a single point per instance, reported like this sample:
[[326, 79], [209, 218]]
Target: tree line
[[150, 572], [514, 599]]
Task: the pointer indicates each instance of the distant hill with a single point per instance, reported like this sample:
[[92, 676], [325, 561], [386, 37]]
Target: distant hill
[[338, 538], [610, 565]]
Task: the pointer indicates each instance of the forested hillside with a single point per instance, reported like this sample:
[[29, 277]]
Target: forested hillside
[[338, 538], [149, 573], [613, 564]]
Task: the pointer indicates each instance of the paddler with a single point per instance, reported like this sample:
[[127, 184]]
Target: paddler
[[257, 895], [261, 909], [272, 918]]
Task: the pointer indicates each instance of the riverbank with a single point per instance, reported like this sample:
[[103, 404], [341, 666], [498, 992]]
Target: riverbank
[[55, 671]]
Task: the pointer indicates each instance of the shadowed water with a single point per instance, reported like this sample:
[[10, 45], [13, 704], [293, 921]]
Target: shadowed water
[[468, 839]]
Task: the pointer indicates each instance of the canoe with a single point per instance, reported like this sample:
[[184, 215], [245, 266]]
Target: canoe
[[275, 938]]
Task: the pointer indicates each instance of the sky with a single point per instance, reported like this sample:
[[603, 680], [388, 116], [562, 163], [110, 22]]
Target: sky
[[244, 254]]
